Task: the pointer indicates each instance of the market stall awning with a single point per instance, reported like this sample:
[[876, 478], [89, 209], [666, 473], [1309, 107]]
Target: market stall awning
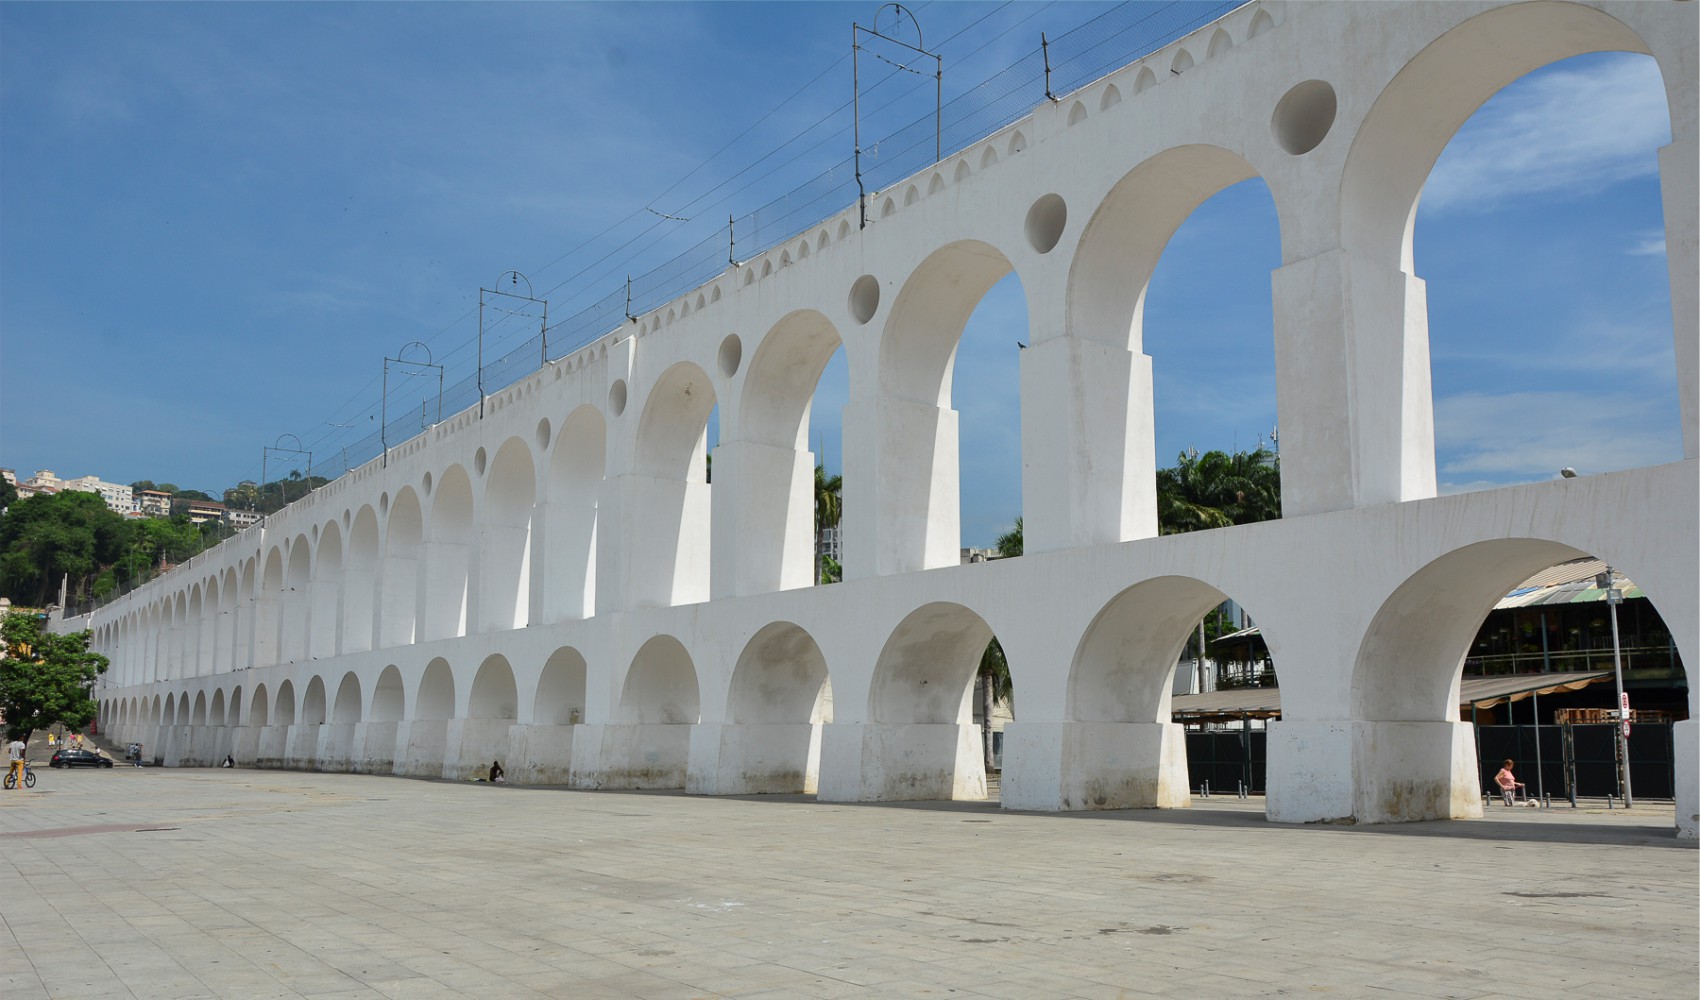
[[1480, 692]]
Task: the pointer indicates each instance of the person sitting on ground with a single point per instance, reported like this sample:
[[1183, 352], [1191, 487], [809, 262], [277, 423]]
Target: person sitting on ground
[[496, 773], [229, 761], [1508, 783]]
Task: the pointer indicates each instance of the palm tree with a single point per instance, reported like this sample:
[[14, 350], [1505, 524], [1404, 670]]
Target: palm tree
[[829, 508], [1010, 544], [995, 686], [1216, 489]]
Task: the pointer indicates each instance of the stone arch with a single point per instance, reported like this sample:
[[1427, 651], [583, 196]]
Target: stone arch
[[215, 713], [504, 538], [661, 686], [1112, 96], [1183, 61], [936, 184], [1260, 22], [388, 696], [1220, 43], [175, 667], [569, 522], [168, 717], [1127, 233], [399, 586], [1077, 113], [298, 578], [234, 717], [1417, 114], [360, 582], [194, 630], [1124, 666], [1144, 81], [494, 694], [248, 633], [962, 171], [916, 487], [561, 689], [669, 530], [346, 709], [1413, 758], [284, 709], [1419, 111], [911, 196], [774, 481], [925, 671], [313, 703], [448, 556], [436, 697], [324, 627], [780, 677], [199, 716], [259, 714]]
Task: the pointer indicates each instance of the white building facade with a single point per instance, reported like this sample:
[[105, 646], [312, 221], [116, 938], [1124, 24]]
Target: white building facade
[[550, 581]]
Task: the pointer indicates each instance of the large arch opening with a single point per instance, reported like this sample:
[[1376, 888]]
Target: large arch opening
[[776, 506], [1174, 269], [345, 711], [436, 699], [245, 652], [1548, 301], [259, 715], [388, 696], [360, 583], [779, 697], [215, 713], [1153, 640], [494, 694], [1450, 675], [313, 703], [326, 630], [569, 521], [922, 693], [504, 539], [399, 588], [235, 718], [914, 506], [670, 525], [298, 579], [448, 556], [199, 716], [285, 707], [661, 686], [560, 689]]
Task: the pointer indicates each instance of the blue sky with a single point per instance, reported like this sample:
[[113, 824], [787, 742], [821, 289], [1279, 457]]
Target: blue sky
[[218, 219]]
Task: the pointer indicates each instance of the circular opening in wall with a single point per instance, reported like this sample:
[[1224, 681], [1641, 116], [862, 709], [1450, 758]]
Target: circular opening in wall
[[425, 484], [543, 433], [865, 298], [478, 461], [617, 397], [1304, 116], [1045, 222], [731, 355]]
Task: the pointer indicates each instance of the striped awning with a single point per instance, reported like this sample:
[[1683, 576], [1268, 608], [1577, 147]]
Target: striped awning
[[1477, 692]]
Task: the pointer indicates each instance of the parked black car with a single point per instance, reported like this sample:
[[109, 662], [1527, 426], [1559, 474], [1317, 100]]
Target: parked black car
[[73, 757]]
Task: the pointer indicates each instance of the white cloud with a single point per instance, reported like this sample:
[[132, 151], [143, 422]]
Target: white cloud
[[1527, 436], [1565, 130], [1650, 244]]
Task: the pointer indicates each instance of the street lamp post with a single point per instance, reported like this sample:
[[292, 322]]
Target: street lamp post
[[1607, 582]]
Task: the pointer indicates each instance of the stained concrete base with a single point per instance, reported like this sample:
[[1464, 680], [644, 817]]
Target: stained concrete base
[[259, 884]]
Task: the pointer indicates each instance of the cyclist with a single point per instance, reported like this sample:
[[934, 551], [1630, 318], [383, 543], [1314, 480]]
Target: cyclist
[[17, 749]]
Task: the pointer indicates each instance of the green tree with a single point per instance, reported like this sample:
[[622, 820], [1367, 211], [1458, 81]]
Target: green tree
[[995, 685], [1217, 489], [1010, 544], [829, 509], [8, 494], [45, 679], [46, 538]]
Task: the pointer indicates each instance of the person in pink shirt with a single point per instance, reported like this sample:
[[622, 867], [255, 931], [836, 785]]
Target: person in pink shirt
[[1508, 783]]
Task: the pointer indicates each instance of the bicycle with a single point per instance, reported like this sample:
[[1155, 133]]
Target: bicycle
[[29, 777]]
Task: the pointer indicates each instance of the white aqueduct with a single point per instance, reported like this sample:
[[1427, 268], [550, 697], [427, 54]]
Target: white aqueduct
[[555, 584]]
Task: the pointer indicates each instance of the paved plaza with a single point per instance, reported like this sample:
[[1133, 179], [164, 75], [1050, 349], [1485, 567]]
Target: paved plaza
[[162, 884]]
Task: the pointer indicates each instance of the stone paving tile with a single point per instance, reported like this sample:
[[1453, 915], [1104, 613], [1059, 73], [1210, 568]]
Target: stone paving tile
[[271, 884]]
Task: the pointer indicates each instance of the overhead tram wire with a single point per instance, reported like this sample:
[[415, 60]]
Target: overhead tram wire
[[805, 132]]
